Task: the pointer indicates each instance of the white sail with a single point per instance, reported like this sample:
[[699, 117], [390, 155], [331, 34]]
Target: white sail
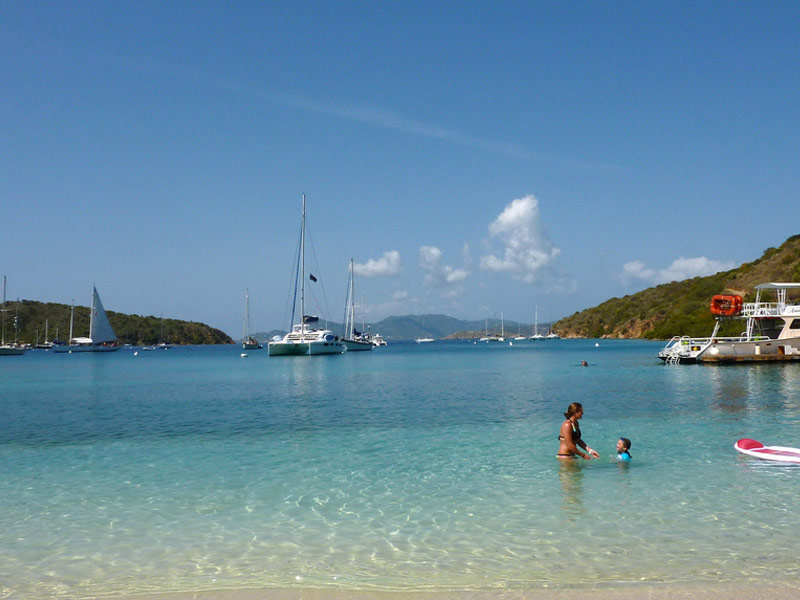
[[100, 329]]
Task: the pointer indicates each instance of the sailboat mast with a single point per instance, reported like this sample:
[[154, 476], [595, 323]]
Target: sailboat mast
[[303, 269], [4, 312], [246, 314], [91, 315], [352, 303], [71, 319]]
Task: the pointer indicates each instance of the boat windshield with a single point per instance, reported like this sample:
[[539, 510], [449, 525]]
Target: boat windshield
[[769, 327]]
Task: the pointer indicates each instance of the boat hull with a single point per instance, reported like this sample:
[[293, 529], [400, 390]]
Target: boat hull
[[11, 351], [304, 348], [758, 351], [70, 348], [357, 346], [770, 350]]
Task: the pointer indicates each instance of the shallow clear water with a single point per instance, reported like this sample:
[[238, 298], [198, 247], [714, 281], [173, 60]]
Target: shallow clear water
[[412, 467]]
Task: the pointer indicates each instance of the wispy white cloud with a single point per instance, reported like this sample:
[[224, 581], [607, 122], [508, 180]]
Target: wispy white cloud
[[680, 269], [437, 274], [527, 249], [386, 119], [389, 265], [366, 114]]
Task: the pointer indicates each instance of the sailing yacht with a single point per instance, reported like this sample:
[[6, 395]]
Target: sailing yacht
[[46, 345], [8, 349], [536, 335], [494, 337], [248, 341], [101, 335], [305, 338], [353, 340]]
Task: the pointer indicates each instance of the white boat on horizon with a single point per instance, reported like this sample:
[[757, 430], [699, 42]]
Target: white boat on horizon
[[101, 335], [772, 331], [493, 337], [305, 338], [536, 336], [14, 349]]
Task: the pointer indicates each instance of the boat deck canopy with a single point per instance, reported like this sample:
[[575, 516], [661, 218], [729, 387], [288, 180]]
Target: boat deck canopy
[[778, 286]]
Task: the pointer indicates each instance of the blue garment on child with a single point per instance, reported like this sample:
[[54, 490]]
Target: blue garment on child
[[623, 456]]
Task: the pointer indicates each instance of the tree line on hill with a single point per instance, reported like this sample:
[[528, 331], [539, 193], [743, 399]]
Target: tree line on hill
[[33, 318], [683, 307]]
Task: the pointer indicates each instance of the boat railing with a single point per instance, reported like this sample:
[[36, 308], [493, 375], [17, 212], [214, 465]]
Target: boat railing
[[687, 343], [763, 309]]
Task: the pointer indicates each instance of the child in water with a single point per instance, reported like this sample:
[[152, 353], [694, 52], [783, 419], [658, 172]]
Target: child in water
[[623, 449]]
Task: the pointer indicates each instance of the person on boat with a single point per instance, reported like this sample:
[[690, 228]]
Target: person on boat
[[623, 449], [570, 442]]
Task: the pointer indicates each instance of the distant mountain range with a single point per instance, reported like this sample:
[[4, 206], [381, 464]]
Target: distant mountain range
[[411, 327]]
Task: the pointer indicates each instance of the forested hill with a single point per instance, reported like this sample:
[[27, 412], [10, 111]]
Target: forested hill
[[130, 329], [682, 307]]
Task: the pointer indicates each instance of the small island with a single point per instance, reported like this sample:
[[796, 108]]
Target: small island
[[40, 322]]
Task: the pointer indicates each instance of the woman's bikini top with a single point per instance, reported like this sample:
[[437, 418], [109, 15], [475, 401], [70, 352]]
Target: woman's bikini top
[[576, 433]]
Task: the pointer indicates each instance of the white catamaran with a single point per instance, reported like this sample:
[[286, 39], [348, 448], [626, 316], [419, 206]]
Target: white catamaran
[[8, 349], [772, 331], [101, 335], [305, 338], [352, 339]]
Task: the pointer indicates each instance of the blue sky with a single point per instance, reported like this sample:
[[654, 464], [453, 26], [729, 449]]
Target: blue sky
[[473, 158]]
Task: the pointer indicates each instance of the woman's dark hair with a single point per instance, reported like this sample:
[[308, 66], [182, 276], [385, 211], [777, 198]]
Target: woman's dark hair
[[626, 443], [573, 408]]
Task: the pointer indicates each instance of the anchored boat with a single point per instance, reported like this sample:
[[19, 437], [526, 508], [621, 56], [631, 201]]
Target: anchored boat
[[101, 335], [306, 338], [353, 340], [772, 331]]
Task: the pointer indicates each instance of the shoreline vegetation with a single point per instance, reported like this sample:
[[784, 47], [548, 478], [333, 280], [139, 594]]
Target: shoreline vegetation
[[136, 330], [682, 307]]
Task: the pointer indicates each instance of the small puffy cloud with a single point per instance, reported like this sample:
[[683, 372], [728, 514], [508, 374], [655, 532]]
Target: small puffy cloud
[[430, 259], [387, 266], [528, 251], [680, 269]]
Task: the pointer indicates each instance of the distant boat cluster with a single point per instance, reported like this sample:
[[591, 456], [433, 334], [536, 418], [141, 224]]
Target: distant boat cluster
[[101, 336], [535, 335]]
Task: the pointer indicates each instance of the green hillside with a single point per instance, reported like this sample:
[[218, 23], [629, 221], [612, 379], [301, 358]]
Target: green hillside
[[130, 329], [682, 307]]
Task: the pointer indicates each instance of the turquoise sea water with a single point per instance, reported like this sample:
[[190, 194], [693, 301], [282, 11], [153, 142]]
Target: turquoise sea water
[[413, 467]]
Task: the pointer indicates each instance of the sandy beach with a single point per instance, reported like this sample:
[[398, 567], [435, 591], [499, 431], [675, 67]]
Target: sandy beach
[[786, 591]]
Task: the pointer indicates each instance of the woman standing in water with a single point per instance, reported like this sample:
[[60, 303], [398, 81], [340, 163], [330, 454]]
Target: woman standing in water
[[570, 435]]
